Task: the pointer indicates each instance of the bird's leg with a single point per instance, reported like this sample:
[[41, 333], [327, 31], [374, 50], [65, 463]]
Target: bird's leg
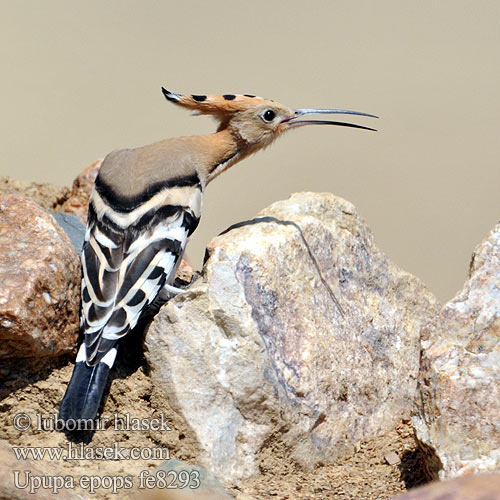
[[168, 292], [173, 290], [153, 308]]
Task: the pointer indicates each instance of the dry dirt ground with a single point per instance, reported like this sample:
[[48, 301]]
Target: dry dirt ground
[[47, 196], [379, 469]]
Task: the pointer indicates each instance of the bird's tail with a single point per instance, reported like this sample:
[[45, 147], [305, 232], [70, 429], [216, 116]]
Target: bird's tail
[[84, 393]]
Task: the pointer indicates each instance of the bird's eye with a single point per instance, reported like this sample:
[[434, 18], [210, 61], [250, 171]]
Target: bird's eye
[[269, 115]]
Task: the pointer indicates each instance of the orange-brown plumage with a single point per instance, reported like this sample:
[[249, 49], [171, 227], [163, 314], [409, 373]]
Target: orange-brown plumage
[[215, 104], [247, 123]]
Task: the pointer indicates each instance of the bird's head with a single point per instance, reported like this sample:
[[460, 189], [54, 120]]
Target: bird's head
[[255, 121]]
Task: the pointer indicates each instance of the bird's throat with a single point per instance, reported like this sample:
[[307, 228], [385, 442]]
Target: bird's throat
[[225, 150]]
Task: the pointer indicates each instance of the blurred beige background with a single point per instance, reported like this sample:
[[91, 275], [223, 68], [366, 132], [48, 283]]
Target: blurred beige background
[[81, 79]]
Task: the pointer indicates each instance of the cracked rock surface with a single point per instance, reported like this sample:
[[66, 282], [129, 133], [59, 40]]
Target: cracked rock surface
[[459, 390], [299, 332]]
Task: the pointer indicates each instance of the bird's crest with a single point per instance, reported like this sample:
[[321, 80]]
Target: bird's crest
[[215, 104], [260, 123]]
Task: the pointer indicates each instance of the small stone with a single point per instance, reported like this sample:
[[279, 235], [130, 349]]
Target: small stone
[[392, 458]]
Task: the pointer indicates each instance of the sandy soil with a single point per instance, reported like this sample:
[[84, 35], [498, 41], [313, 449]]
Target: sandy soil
[[379, 469], [131, 394]]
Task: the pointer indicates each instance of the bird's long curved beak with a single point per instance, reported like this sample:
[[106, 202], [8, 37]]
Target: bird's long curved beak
[[295, 122]]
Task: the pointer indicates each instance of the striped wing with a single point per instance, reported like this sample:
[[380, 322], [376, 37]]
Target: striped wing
[[125, 268]]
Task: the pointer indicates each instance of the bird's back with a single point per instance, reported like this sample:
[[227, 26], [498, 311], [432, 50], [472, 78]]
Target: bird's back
[[132, 172]]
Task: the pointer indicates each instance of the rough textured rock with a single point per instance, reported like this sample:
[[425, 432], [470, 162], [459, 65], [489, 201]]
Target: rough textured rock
[[40, 276], [459, 382], [301, 335], [469, 487], [78, 201], [47, 196]]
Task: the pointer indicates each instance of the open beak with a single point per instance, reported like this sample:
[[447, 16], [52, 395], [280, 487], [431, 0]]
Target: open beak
[[294, 121]]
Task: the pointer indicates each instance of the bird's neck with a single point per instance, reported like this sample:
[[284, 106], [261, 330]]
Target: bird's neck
[[224, 150]]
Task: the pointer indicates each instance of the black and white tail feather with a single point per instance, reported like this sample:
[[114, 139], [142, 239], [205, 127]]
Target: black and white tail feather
[[129, 261]]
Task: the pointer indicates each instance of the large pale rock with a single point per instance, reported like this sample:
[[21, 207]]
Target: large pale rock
[[299, 334], [469, 487], [78, 202], [40, 282], [460, 378]]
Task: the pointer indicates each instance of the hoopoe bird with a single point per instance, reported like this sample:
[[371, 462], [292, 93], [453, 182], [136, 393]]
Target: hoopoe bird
[[145, 204]]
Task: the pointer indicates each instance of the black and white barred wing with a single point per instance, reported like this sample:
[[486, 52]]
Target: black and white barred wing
[[132, 249], [123, 272]]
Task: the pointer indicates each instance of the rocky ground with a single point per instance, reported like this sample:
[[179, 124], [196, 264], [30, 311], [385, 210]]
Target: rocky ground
[[132, 394], [47, 196], [380, 467], [300, 364]]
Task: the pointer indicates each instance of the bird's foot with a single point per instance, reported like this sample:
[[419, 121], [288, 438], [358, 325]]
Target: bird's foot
[[182, 285]]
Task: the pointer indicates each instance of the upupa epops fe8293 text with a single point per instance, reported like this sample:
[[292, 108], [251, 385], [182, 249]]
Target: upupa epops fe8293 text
[[145, 204]]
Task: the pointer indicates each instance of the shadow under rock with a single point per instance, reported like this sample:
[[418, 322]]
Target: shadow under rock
[[419, 466], [18, 373]]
